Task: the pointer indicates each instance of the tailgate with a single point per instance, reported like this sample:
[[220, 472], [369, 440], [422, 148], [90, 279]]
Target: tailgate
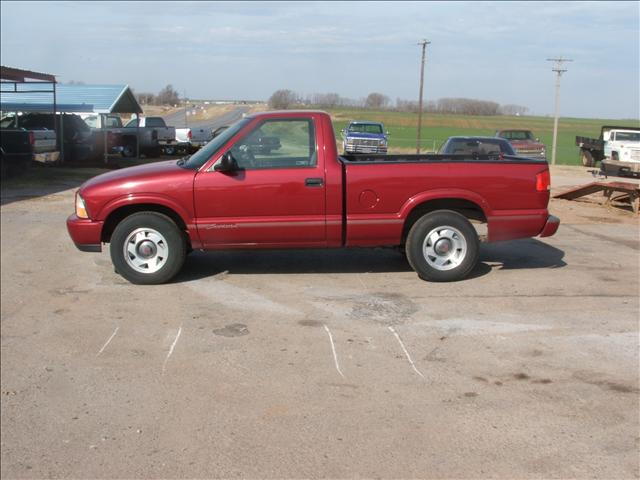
[[201, 135], [167, 133], [44, 141]]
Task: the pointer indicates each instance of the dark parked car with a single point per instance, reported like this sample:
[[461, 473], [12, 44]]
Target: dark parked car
[[259, 142], [476, 146], [80, 143]]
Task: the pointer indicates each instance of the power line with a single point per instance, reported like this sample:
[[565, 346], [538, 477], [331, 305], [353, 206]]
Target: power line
[[424, 44], [557, 67]]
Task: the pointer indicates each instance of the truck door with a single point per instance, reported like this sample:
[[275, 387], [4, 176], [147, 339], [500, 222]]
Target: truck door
[[275, 197]]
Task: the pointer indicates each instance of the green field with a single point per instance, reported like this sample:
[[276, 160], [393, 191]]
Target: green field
[[436, 128]]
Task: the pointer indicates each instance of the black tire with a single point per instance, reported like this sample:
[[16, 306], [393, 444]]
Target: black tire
[[4, 169], [129, 149], [165, 247], [587, 158], [170, 150], [455, 252]]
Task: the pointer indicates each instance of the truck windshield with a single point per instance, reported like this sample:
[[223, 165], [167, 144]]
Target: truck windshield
[[365, 128], [199, 158], [628, 136], [517, 135]]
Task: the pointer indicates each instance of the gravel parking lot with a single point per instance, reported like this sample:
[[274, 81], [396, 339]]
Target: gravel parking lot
[[321, 363]]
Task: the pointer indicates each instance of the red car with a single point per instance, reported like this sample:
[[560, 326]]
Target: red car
[[524, 143], [229, 196]]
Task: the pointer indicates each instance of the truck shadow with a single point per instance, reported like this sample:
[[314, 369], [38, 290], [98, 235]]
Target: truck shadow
[[374, 260], [527, 253], [519, 254]]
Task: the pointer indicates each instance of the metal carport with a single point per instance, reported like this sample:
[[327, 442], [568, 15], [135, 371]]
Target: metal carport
[[98, 99]]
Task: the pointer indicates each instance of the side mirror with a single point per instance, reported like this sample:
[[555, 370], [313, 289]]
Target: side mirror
[[226, 163], [387, 133], [537, 139]]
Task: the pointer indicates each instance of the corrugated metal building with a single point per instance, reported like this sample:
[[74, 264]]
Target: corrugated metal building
[[101, 99]]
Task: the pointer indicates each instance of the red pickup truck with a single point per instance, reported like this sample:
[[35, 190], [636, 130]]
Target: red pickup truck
[[230, 196]]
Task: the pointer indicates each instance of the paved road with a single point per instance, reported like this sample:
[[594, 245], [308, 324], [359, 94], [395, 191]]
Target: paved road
[[319, 363], [177, 119]]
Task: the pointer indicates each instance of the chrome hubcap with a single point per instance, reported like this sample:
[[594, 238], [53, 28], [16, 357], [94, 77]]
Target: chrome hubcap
[[444, 248], [146, 250]]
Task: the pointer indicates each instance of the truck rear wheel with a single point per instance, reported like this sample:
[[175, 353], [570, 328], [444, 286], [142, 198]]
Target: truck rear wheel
[[147, 248], [587, 158], [129, 149], [442, 246]]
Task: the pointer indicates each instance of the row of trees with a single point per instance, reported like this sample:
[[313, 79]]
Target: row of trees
[[284, 99], [167, 96]]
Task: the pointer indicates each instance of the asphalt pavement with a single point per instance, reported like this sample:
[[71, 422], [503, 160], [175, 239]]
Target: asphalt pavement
[[317, 364]]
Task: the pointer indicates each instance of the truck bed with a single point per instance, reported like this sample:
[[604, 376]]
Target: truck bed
[[436, 158], [390, 185], [590, 143]]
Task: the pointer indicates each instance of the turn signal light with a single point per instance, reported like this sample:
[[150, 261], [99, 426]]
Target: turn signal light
[[81, 209], [543, 181]]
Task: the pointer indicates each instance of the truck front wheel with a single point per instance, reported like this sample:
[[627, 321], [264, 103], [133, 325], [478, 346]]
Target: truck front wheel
[[442, 246], [147, 248]]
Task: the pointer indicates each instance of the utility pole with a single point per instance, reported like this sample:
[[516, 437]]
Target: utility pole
[[424, 44], [557, 67], [184, 93]]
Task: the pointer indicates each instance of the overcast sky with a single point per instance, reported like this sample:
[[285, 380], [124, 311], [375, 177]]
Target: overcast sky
[[247, 50]]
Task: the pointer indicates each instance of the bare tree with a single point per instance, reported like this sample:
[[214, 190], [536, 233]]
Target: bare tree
[[376, 100], [146, 98], [513, 110], [168, 96], [467, 106], [283, 99]]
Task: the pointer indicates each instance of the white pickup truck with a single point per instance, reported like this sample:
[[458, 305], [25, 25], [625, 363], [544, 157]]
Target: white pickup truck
[[189, 140], [618, 150]]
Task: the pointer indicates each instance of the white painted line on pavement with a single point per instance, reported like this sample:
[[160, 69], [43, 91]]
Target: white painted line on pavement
[[108, 341], [392, 330], [164, 365], [333, 349]]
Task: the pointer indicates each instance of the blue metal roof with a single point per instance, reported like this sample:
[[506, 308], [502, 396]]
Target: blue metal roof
[[17, 97]]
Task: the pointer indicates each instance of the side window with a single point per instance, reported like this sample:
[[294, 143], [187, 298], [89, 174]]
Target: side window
[[277, 144]]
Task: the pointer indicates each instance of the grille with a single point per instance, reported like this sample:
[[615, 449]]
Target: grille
[[366, 142]]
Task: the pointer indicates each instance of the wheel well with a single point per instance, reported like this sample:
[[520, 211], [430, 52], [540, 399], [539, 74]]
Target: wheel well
[[121, 213], [466, 208]]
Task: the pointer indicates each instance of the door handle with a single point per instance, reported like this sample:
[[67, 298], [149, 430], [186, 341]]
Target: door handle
[[313, 182]]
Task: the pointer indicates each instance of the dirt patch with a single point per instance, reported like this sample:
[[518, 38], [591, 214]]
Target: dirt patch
[[233, 330]]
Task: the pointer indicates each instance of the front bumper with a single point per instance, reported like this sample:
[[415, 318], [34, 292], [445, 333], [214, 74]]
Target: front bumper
[[615, 166], [364, 149], [536, 154], [550, 227], [85, 233]]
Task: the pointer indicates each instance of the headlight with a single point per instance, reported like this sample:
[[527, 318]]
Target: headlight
[[81, 209], [383, 142]]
